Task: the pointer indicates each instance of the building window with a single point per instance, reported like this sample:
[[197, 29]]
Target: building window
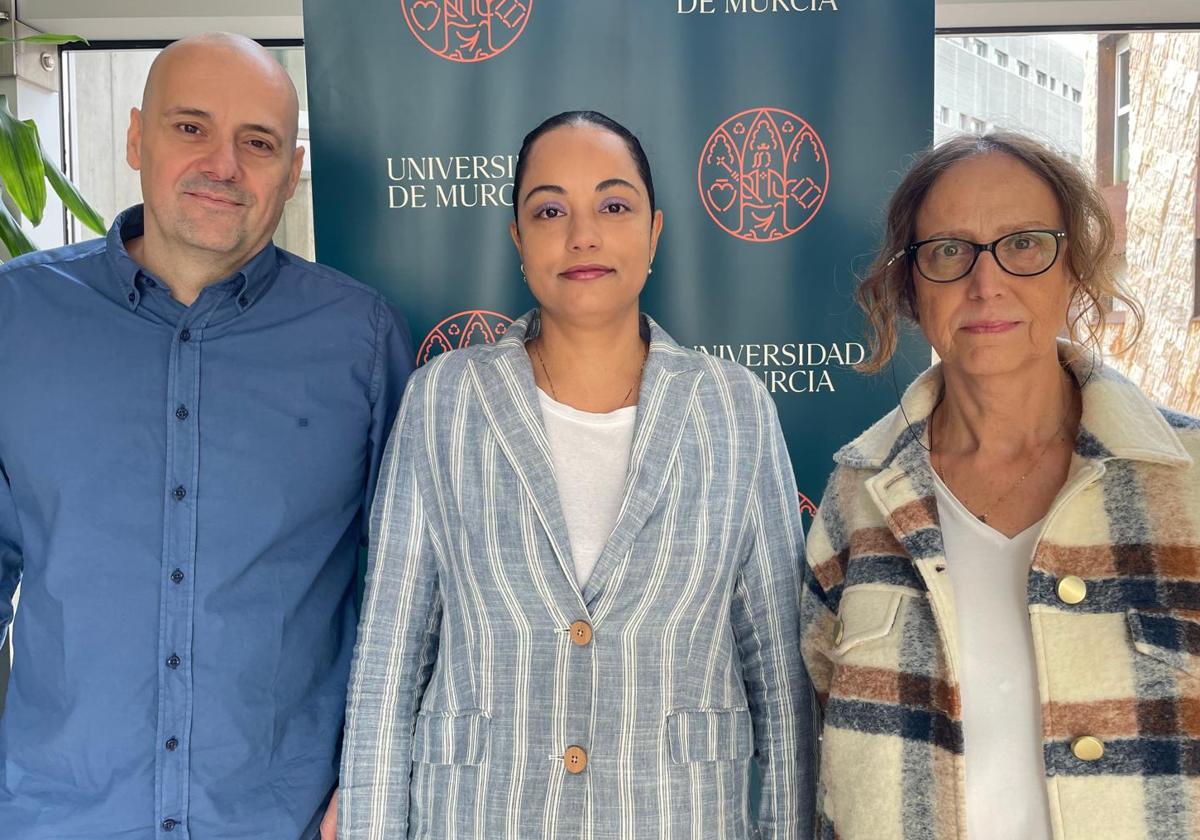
[[1041, 78], [1022, 69], [1053, 84], [944, 115], [981, 48], [1002, 58], [1076, 95], [1121, 132], [964, 42], [964, 122], [978, 126]]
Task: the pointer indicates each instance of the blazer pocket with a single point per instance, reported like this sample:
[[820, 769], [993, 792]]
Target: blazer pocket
[[1170, 636], [710, 735], [449, 738], [864, 614]]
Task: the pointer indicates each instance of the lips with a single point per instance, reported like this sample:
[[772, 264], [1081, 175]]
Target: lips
[[214, 200], [989, 327], [588, 271]]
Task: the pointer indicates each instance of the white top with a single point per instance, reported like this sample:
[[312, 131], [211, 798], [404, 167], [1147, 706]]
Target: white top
[[1001, 710], [591, 460]]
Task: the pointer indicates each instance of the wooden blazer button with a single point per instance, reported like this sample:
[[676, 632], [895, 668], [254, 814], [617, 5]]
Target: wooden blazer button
[[581, 633], [575, 759], [1087, 748], [1071, 589]]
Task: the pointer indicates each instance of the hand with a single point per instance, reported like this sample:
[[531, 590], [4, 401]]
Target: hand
[[329, 821]]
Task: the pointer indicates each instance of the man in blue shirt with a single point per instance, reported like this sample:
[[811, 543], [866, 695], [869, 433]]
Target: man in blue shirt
[[191, 422]]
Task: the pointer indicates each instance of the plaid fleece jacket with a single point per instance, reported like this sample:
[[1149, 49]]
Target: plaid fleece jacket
[[1122, 665]]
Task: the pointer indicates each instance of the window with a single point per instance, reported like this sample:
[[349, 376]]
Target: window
[[1053, 84], [981, 48], [1121, 133], [944, 115], [964, 42], [1076, 95], [1022, 69], [1041, 78], [1002, 58], [979, 126], [964, 122]]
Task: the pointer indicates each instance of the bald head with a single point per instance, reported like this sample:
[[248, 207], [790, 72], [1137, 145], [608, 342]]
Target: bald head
[[190, 60]]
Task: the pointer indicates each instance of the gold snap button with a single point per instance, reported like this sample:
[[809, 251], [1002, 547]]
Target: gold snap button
[[1087, 748], [1071, 589], [839, 632], [581, 633], [575, 759]]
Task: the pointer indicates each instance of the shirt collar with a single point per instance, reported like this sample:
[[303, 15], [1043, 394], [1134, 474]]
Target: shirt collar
[[247, 284], [1118, 421]]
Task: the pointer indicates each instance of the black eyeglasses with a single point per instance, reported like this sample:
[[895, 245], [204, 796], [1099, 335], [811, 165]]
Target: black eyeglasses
[[1025, 253]]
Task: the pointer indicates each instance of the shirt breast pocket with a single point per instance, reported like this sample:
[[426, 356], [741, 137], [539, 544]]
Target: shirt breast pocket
[[866, 615], [1171, 636]]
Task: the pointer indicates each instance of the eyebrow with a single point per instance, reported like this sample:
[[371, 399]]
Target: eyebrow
[[1017, 227], [601, 187], [200, 113]]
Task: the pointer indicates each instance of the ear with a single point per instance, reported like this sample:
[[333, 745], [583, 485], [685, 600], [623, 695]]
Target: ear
[[133, 140], [515, 233], [297, 168], [656, 227]]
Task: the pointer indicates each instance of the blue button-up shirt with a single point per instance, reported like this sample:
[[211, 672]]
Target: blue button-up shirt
[[182, 498]]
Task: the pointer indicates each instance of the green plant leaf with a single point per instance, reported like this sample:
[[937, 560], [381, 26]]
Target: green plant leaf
[[12, 236], [46, 38], [72, 198], [21, 168]]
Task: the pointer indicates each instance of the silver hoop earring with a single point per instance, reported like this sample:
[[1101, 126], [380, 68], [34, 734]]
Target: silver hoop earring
[[524, 279]]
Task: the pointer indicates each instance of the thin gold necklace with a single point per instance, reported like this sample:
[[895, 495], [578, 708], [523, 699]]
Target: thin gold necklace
[[983, 517], [549, 381]]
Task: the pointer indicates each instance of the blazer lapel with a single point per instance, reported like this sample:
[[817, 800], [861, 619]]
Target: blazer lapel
[[509, 397], [668, 387]]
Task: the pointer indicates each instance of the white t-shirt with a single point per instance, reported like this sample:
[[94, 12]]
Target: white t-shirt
[[591, 460], [1001, 710]]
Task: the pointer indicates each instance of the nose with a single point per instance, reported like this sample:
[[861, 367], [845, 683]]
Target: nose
[[987, 279], [221, 163], [584, 234]]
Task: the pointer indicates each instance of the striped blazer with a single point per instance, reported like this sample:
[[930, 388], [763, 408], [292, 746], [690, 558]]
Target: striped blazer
[[1114, 604], [491, 699]]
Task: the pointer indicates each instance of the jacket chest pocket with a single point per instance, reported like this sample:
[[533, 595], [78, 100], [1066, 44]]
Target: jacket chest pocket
[[1171, 636], [710, 735], [866, 615], [447, 738]]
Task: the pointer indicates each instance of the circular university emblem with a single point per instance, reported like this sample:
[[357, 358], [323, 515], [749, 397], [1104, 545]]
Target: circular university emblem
[[467, 30], [763, 174], [474, 326]]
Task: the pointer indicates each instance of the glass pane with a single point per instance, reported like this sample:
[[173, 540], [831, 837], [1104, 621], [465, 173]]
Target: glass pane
[[1121, 159], [101, 88], [1123, 80]]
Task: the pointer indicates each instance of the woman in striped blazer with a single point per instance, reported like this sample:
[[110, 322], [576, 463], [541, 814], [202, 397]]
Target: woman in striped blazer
[[581, 617]]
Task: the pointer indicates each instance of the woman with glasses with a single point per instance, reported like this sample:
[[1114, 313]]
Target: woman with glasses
[[1002, 605]]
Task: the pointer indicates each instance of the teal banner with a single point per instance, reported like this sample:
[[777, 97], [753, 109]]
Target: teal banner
[[775, 129]]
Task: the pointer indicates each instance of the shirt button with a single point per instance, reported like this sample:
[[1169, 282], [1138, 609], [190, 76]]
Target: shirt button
[[1071, 589], [173, 661], [150, 282], [177, 576], [575, 759], [169, 825], [1087, 748], [171, 744], [181, 413], [180, 492], [186, 335], [132, 297], [244, 301], [581, 633]]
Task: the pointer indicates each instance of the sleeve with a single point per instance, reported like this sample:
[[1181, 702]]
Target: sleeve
[[766, 625], [396, 648], [11, 558], [394, 362], [823, 574]]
